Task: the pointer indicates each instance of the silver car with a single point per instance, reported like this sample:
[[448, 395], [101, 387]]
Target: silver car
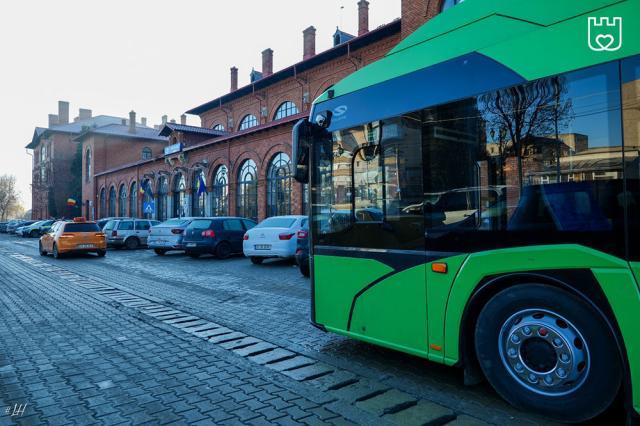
[[168, 235], [129, 233]]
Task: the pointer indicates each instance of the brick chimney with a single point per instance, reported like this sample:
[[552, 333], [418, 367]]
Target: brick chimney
[[132, 122], [143, 121], [363, 17], [84, 114], [53, 120], [417, 12], [183, 119], [63, 112], [309, 42], [234, 79], [267, 62]]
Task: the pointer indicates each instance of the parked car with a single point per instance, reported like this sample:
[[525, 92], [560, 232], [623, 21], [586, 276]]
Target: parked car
[[102, 222], [129, 233], [36, 229], [302, 250], [275, 237], [219, 236], [11, 223], [77, 236], [14, 229], [168, 235], [3, 227]]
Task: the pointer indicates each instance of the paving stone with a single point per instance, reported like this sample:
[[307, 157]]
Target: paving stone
[[309, 372], [292, 363], [337, 379], [254, 349], [275, 355], [464, 420], [201, 327], [188, 325], [246, 341], [382, 403], [422, 413], [236, 335], [182, 319], [358, 390], [214, 332]]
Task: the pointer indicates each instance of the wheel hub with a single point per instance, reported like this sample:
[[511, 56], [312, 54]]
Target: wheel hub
[[544, 352]]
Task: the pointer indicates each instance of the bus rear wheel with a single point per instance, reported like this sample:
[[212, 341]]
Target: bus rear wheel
[[548, 351]]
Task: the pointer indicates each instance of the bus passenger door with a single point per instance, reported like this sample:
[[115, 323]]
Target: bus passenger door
[[369, 254]]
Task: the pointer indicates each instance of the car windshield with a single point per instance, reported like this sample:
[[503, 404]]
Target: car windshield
[[175, 222], [200, 224], [277, 222], [81, 227]]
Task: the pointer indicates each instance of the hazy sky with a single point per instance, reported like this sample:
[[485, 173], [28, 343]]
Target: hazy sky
[[153, 56]]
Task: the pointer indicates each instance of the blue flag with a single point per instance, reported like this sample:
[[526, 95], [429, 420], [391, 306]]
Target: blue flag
[[202, 187]]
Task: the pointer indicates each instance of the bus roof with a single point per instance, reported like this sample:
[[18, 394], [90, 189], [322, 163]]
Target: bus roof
[[533, 39]]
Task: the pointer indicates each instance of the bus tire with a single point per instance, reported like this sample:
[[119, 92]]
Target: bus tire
[[548, 351]]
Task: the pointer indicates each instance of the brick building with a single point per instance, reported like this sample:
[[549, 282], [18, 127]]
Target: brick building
[[242, 150]]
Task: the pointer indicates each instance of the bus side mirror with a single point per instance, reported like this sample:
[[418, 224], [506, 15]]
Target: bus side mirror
[[301, 146]]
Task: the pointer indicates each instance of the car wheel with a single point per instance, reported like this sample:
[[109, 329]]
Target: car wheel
[[101, 253], [256, 260], [41, 249], [34, 234], [160, 252], [132, 243], [223, 250], [193, 255], [56, 253], [304, 267], [548, 351]]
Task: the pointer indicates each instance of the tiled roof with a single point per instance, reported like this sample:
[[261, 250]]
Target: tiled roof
[[75, 127], [173, 127], [123, 131]]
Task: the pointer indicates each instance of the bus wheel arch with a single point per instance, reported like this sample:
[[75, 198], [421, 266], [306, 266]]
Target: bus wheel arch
[[580, 283]]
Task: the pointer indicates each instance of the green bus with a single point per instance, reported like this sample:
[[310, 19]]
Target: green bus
[[475, 200]]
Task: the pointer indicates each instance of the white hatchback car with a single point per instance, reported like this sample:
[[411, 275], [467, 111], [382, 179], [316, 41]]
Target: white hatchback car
[[275, 237]]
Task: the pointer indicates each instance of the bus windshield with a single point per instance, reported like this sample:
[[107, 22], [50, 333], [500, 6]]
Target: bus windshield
[[538, 163]]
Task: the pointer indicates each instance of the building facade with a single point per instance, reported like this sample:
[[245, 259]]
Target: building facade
[[239, 161]]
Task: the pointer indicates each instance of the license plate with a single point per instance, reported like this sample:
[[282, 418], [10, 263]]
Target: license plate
[[262, 246], [191, 244], [85, 246]]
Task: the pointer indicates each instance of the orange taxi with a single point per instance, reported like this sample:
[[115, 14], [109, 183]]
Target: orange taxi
[[77, 236]]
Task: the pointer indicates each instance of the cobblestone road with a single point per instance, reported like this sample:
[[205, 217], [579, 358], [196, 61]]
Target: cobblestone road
[[139, 338]]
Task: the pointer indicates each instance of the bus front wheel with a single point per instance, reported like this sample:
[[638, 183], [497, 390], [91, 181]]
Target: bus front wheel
[[548, 351]]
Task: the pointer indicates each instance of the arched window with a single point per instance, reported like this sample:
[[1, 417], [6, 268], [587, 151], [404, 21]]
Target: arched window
[[219, 127], [248, 121], [133, 200], [198, 194], [247, 197], [446, 4], [163, 195], [180, 200], [87, 167], [112, 201], [279, 185], [285, 110], [146, 153], [220, 193], [122, 201], [103, 203]]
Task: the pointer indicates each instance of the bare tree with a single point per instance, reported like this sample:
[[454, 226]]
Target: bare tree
[[524, 112], [8, 196]]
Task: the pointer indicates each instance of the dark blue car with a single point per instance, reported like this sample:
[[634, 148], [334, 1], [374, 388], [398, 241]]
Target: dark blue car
[[219, 236]]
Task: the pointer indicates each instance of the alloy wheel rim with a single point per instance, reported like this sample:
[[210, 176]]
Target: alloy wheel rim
[[544, 352]]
